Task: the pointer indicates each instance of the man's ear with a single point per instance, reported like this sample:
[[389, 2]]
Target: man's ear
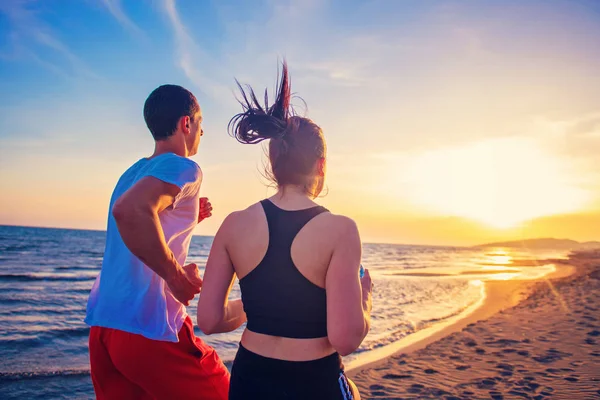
[[184, 124]]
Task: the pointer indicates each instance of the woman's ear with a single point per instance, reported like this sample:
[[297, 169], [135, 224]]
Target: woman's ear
[[321, 167]]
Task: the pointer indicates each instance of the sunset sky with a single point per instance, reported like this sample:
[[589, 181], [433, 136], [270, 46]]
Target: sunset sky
[[446, 122]]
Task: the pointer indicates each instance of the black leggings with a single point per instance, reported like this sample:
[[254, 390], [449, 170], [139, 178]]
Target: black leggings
[[256, 377]]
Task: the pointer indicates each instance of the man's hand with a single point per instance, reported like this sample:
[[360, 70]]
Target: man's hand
[[205, 209], [193, 275], [185, 284]]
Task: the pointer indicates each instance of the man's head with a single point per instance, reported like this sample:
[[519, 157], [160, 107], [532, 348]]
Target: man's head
[[172, 111]]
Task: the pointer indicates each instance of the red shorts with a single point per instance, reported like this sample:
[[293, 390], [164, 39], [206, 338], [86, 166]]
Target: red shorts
[[129, 366]]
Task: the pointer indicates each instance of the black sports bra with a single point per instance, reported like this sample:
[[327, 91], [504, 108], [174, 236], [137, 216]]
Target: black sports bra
[[278, 299]]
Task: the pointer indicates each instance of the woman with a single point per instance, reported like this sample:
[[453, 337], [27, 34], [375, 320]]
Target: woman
[[298, 267]]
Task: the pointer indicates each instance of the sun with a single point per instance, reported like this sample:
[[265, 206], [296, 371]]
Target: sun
[[499, 182]]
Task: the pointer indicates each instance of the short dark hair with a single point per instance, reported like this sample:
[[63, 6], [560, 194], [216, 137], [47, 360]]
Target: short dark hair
[[296, 143], [165, 106]]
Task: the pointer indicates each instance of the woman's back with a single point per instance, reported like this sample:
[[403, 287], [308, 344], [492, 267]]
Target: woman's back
[[278, 299], [280, 251]]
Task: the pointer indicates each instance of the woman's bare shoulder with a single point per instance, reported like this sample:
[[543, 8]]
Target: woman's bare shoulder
[[336, 225], [247, 217], [339, 221]]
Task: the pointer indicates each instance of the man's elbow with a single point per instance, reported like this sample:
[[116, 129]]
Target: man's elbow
[[123, 211], [120, 210]]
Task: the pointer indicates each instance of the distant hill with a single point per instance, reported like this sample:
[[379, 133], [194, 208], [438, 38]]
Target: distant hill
[[546, 243]]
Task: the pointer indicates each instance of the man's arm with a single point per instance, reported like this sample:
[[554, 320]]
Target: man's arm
[[136, 214]]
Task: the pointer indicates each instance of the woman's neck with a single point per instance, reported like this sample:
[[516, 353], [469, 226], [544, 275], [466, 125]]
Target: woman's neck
[[292, 197]]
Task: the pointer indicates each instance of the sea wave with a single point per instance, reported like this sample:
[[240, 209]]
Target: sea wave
[[44, 277], [405, 328], [77, 268], [19, 247], [33, 339], [31, 375], [90, 253]]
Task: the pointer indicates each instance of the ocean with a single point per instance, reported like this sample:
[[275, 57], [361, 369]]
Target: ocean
[[46, 275]]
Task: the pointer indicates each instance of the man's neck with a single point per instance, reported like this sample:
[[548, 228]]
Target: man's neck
[[169, 146]]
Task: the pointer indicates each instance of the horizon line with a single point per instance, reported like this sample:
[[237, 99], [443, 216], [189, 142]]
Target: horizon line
[[104, 230]]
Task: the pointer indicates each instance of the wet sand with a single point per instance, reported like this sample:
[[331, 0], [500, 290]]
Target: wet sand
[[529, 339]]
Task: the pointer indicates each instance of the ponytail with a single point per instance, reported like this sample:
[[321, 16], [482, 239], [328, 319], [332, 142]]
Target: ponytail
[[296, 143], [257, 122]]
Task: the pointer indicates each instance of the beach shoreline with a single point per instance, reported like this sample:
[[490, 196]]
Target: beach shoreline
[[420, 367], [498, 295]]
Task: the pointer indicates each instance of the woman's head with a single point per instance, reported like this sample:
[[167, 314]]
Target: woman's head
[[297, 147]]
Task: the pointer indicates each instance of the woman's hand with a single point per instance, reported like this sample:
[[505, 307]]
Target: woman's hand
[[367, 290]]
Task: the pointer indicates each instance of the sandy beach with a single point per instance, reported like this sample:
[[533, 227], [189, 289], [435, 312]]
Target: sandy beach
[[529, 339]]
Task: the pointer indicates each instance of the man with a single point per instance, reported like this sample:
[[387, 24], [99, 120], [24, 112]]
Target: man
[[142, 342]]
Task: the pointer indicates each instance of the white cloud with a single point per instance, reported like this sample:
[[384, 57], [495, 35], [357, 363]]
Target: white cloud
[[116, 9], [29, 34], [198, 66]]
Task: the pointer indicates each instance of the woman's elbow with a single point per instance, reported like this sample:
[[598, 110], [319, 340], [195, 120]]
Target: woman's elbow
[[208, 321], [346, 342], [345, 349], [208, 329], [206, 325]]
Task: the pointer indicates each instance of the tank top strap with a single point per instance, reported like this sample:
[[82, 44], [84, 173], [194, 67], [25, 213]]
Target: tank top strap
[[284, 225]]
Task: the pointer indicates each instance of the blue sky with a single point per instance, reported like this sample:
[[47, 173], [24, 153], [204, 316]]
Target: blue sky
[[388, 81]]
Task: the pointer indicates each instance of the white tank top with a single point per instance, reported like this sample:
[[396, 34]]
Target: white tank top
[[127, 295]]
